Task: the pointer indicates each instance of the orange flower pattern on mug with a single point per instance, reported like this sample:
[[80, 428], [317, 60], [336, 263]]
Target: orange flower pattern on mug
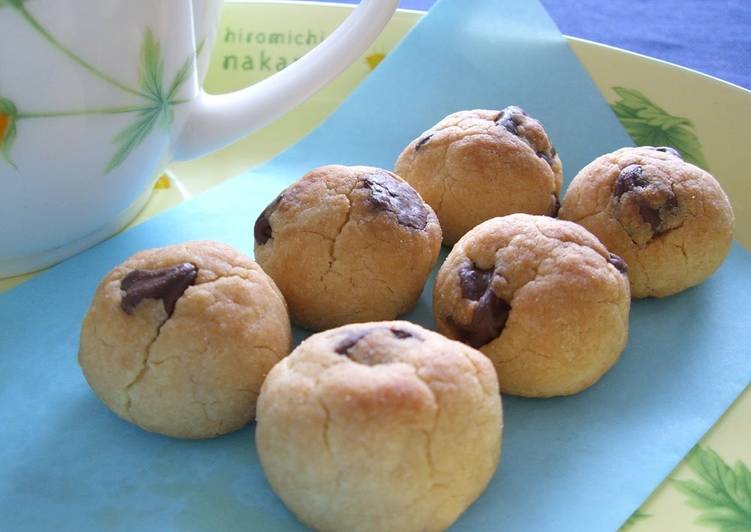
[[8, 116]]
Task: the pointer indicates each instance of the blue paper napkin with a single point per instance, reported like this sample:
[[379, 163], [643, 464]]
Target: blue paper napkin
[[578, 463]]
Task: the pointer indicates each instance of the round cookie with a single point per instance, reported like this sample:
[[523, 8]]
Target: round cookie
[[669, 220], [379, 426], [179, 339], [348, 244], [476, 165], [542, 298]]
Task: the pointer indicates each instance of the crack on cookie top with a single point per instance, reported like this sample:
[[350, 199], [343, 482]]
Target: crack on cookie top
[[262, 231], [392, 195], [490, 312], [167, 284]]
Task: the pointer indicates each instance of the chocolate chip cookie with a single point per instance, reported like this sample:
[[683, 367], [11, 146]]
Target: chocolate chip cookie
[[542, 298], [348, 244], [669, 220], [475, 165], [379, 426], [179, 339]]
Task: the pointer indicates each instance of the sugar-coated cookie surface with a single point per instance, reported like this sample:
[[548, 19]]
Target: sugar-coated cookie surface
[[670, 220], [475, 165], [542, 298], [348, 244], [179, 339], [379, 426]]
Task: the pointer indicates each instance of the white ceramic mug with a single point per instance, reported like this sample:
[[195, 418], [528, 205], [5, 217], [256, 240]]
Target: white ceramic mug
[[98, 96]]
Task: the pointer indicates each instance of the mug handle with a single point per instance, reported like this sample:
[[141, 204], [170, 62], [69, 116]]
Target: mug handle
[[218, 120]]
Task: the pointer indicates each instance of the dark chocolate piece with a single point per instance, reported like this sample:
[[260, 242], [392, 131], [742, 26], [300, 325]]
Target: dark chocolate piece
[[390, 194], [167, 284], [488, 321], [349, 341], [422, 141], [474, 282], [619, 263], [490, 313], [556, 207], [630, 178], [655, 216], [509, 125], [262, 229], [668, 149], [401, 334]]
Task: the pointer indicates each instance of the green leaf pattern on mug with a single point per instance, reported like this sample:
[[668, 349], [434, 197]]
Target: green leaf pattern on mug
[[160, 102], [722, 493], [155, 107], [11, 3], [650, 125]]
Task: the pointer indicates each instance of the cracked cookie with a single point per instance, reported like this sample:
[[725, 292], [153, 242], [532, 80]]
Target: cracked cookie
[[476, 165], [379, 426], [669, 220], [179, 339], [347, 244], [542, 298]]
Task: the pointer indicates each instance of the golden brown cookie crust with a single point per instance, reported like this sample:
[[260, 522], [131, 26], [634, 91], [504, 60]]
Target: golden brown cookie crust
[[196, 373], [340, 254], [669, 220], [379, 426], [550, 310], [479, 164]]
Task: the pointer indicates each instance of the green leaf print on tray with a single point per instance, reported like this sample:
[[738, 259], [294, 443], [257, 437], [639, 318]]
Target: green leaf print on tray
[[634, 518], [723, 494], [650, 125], [155, 103]]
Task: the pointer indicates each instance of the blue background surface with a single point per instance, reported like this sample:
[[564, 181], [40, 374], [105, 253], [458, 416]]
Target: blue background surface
[[711, 36], [577, 463]]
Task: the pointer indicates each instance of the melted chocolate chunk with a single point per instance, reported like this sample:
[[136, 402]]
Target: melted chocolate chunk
[[507, 119], [423, 141], [655, 216], [167, 284], [401, 334], [395, 196], [545, 157], [630, 178], [487, 323], [349, 341], [490, 313], [651, 216], [668, 149], [556, 207], [619, 263], [474, 282], [262, 229], [509, 125]]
